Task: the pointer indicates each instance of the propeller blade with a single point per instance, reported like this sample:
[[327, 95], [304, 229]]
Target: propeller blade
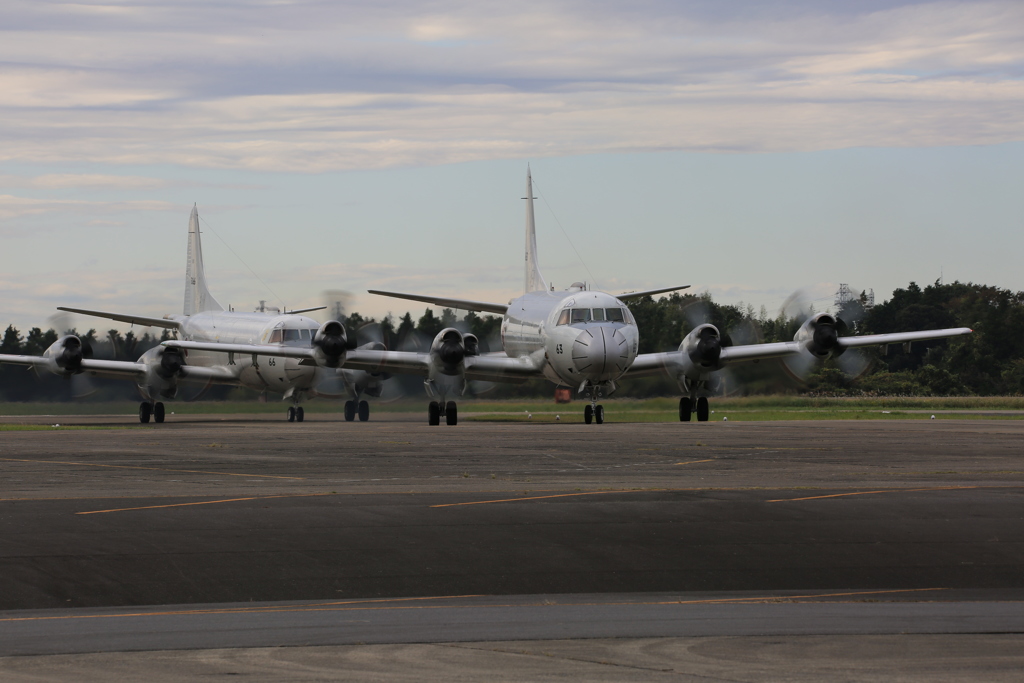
[[854, 362], [82, 386], [799, 366]]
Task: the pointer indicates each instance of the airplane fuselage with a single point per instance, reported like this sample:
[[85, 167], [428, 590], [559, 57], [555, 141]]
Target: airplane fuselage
[[586, 336], [267, 373]]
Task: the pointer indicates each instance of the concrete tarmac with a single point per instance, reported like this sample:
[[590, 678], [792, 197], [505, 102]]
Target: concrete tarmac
[[232, 509]]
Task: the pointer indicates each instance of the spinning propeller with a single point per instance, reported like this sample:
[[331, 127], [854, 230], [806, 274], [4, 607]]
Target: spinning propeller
[[698, 312], [825, 330], [64, 324]]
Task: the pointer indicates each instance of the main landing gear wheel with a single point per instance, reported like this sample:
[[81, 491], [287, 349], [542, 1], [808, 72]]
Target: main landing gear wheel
[[350, 411], [702, 409], [158, 412], [685, 409], [588, 414], [300, 414], [364, 411], [433, 413], [451, 413], [291, 413], [145, 410], [599, 414]]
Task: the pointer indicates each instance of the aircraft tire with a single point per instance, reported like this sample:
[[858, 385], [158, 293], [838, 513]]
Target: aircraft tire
[[451, 413], [588, 414], [433, 414], [158, 412], [702, 409], [291, 413], [300, 414], [145, 410], [685, 409], [364, 411], [350, 411], [599, 414]]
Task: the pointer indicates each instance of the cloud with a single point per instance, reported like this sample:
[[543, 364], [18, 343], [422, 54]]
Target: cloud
[[12, 207], [319, 86], [91, 181]]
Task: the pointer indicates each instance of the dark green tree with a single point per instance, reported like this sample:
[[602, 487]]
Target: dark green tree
[[429, 325], [11, 343]]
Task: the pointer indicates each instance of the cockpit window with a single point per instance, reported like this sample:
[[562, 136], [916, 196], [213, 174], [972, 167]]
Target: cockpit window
[[581, 315], [276, 337], [585, 315]]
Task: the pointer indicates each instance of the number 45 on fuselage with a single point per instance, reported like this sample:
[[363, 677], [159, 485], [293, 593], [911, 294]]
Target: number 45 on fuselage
[[588, 340]]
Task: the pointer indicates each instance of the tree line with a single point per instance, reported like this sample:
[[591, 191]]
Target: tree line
[[988, 362]]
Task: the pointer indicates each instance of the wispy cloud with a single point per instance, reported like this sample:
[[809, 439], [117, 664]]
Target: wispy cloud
[[17, 207], [315, 86]]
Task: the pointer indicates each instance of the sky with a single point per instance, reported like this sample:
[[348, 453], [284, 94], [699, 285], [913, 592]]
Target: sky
[[746, 148]]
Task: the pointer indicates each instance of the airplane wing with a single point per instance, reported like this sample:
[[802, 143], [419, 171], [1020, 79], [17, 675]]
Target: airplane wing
[[96, 368], [14, 359], [116, 369], [461, 304], [487, 367], [303, 352], [670, 361], [121, 317], [649, 292]]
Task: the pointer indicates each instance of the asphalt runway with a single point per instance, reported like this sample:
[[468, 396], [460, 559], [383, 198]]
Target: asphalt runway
[[214, 511]]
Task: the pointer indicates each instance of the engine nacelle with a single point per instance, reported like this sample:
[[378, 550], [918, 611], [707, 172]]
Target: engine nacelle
[[330, 344], [819, 336], [703, 348], [66, 355], [448, 350], [472, 344], [163, 369]]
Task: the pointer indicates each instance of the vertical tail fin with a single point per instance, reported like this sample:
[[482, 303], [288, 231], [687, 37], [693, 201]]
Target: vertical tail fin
[[534, 280], [197, 296]]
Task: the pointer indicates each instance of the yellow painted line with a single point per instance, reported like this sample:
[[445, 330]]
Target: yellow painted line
[[516, 500], [694, 462], [156, 469], [385, 604], [865, 493], [204, 502]]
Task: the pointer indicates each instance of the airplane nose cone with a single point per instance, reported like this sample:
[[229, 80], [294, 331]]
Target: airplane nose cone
[[600, 353]]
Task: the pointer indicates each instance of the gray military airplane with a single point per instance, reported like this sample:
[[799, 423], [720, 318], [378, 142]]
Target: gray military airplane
[[223, 347], [589, 340]]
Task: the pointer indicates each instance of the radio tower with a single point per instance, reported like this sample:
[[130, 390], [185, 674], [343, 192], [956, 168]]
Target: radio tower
[[845, 296]]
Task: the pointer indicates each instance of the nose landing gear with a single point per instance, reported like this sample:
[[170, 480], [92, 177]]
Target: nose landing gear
[[296, 414], [593, 413]]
